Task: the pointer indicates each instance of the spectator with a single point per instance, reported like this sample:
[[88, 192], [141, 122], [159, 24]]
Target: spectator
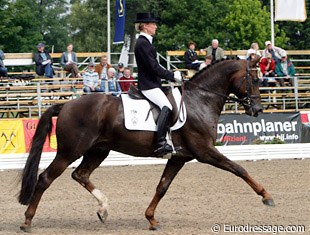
[[274, 51], [103, 67], [43, 62], [252, 54], [127, 76], [3, 69], [267, 67], [255, 47], [285, 70], [69, 62], [214, 50], [207, 61], [120, 70], [111, 83], [191, 57], [90, 79]]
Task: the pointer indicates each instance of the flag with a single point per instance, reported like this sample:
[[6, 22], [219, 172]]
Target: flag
[[120, 21], [291, 10]]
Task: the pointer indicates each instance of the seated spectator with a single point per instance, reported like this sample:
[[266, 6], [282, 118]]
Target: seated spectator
[[252, 54], [110, 84], [207, 61], [90, 79], [69, 62], [127, 76], [214, 50], [191, 57], [3, 69], [43, 62], [285, 70], [120, 70], [274, 51], [103, 67], [255, 47], [267, 67]]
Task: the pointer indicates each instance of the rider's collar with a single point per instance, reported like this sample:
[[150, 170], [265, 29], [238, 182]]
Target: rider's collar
[[149, 37]]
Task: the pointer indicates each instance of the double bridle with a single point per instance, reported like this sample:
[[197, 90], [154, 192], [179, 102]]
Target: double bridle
[[246, 101]]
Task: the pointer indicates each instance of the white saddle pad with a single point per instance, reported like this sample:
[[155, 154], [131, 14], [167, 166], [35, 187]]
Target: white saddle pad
[[138, 117]]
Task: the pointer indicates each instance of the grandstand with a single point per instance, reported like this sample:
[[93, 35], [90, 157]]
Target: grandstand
[[29, 98]]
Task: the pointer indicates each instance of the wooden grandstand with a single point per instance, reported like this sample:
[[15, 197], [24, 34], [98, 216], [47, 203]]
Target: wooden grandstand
[[29, 98]]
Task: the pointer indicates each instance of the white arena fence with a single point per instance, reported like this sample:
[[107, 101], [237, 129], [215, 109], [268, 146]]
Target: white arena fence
[[233, 152]]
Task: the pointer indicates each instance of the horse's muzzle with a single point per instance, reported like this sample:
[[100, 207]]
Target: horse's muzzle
[[254, 110]]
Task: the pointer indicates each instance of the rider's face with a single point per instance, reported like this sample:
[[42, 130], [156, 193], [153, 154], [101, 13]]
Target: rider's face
[[150, 28]]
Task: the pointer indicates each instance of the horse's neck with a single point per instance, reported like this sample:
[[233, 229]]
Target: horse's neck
[[210, 84]]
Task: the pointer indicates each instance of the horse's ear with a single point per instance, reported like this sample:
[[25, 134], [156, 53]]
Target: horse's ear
[[254, 62]]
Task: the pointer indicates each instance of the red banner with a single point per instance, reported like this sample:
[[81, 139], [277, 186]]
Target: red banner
[[30, 126]]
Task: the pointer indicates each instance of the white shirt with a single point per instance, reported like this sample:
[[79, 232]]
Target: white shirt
[[149, 37], [69, 57]]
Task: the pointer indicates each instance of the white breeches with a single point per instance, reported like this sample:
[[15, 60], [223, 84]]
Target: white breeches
[[158, 97]]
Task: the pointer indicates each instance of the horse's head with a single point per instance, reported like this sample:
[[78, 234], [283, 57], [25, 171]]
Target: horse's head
[[246, 87]]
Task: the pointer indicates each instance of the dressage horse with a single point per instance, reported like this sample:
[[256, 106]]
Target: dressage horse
[[93, 125]]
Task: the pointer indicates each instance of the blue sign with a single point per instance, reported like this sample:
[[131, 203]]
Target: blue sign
[[120, 21]]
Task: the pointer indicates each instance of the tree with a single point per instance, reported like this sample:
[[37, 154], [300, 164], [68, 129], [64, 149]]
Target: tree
[[88, 23], [246, 22], [53, 16], [27, 22], [20, 30], [236, 24]]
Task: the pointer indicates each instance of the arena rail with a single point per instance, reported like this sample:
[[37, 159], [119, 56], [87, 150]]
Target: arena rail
[[235, 153]]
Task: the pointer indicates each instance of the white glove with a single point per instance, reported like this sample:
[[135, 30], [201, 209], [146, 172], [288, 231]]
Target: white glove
[[177, 76]]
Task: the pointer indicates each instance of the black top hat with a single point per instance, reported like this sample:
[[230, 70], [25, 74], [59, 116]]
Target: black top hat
[[146, 18]]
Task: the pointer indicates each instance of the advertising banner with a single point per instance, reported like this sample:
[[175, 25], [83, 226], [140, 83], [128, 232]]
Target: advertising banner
[[236, 129], [12, 137], [305, 129], [233, 129], [30, 126]]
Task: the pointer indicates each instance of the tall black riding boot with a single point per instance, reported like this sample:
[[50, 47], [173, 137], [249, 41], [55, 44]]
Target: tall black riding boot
[[162, 127]]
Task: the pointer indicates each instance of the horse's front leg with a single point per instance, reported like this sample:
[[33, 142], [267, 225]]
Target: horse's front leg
[[213, 157], [171, 170]]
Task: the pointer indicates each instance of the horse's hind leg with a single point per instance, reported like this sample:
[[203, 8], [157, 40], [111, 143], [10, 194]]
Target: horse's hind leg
[[55, 169], [91, 160], [215, 158], [171, 170]]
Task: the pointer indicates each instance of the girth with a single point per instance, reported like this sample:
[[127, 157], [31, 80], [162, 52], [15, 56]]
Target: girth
[[135, 93]]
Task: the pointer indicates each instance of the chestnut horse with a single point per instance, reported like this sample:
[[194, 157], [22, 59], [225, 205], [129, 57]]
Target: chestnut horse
[[93, 125]]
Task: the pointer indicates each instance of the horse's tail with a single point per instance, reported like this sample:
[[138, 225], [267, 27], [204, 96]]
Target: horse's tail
[[30, 172]]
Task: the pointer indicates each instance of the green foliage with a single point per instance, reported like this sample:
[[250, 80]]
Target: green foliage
[[235, 23], [26, 22], [88, 25]]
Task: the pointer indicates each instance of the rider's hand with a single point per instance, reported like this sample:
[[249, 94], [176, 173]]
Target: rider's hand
[[178, 76]]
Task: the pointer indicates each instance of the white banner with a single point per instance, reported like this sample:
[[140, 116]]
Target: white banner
[[290, 10]]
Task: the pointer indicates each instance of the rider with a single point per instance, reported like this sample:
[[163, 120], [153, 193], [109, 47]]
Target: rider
[[150, 74]]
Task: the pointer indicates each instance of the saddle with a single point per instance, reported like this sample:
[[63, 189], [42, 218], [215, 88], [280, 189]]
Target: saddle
[[136, 94]]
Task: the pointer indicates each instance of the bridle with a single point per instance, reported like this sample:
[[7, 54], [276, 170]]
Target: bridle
[[247, 100]]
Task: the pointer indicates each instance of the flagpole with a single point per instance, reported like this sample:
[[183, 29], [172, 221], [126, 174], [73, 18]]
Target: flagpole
[[272, 21], [109, 31]]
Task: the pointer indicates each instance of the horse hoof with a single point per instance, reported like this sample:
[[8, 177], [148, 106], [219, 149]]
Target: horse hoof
[[25, 228], [269, 202], [155, 228], [102, 215]]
